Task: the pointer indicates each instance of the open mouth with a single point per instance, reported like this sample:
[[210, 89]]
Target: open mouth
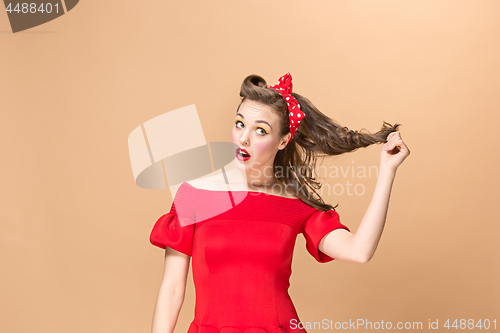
[[242, 154]]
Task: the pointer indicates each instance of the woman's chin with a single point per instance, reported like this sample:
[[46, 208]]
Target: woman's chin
[[243, 165]]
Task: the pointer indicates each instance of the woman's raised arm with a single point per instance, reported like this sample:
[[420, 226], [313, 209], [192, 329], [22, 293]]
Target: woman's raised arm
[[360, 246], [171, 293]]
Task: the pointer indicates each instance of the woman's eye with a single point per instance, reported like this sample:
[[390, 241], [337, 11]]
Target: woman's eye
[[238, 122], [263, 131]]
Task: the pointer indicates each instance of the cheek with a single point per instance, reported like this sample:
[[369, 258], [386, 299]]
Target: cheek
[[263, 147]]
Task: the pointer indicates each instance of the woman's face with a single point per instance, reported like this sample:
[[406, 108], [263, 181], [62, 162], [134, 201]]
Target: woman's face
[[256, 129]]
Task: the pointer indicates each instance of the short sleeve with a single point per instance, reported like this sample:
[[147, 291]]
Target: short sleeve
[[317, 225], [176, 228]]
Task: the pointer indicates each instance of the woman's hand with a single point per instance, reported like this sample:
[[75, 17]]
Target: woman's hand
[[394, 152]]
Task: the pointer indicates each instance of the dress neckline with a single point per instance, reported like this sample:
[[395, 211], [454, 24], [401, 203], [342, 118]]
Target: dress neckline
[[271, 195]]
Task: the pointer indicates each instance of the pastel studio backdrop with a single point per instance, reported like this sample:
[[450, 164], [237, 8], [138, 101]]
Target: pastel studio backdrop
[[74, 248]]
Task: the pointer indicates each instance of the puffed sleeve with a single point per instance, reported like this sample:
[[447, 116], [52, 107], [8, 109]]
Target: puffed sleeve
[[315, 227], [176, 228]]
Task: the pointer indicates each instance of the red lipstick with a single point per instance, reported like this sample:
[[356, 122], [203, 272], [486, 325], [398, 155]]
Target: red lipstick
[[242, 154]]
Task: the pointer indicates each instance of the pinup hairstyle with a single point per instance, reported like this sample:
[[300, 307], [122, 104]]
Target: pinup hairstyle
[[317, 136]]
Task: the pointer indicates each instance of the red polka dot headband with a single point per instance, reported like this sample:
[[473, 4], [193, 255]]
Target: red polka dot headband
[[295, 114]]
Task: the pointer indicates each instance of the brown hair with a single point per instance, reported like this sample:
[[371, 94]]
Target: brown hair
[[317, 136]]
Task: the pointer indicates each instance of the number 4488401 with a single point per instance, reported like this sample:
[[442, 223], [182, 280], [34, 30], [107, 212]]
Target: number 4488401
[[31, 8], [471, 324]]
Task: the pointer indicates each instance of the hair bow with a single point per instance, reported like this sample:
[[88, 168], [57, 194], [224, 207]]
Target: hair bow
[[295, 114]]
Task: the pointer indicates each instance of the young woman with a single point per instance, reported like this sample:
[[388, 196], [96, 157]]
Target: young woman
[[241, 240]]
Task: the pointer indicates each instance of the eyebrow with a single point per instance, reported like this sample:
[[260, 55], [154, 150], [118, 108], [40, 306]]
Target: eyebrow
[[257, 121]]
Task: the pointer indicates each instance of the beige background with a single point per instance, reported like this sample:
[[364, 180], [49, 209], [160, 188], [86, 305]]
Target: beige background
[[75, 252]]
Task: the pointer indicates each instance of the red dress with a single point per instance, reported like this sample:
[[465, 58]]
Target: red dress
[[242, 255]]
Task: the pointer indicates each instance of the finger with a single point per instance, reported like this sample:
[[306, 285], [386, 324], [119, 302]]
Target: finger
[[393, 139], [391, 135], [396, 136], [405, 149], [394, 143]]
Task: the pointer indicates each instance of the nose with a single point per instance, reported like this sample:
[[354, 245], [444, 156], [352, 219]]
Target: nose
[[244, 138]]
